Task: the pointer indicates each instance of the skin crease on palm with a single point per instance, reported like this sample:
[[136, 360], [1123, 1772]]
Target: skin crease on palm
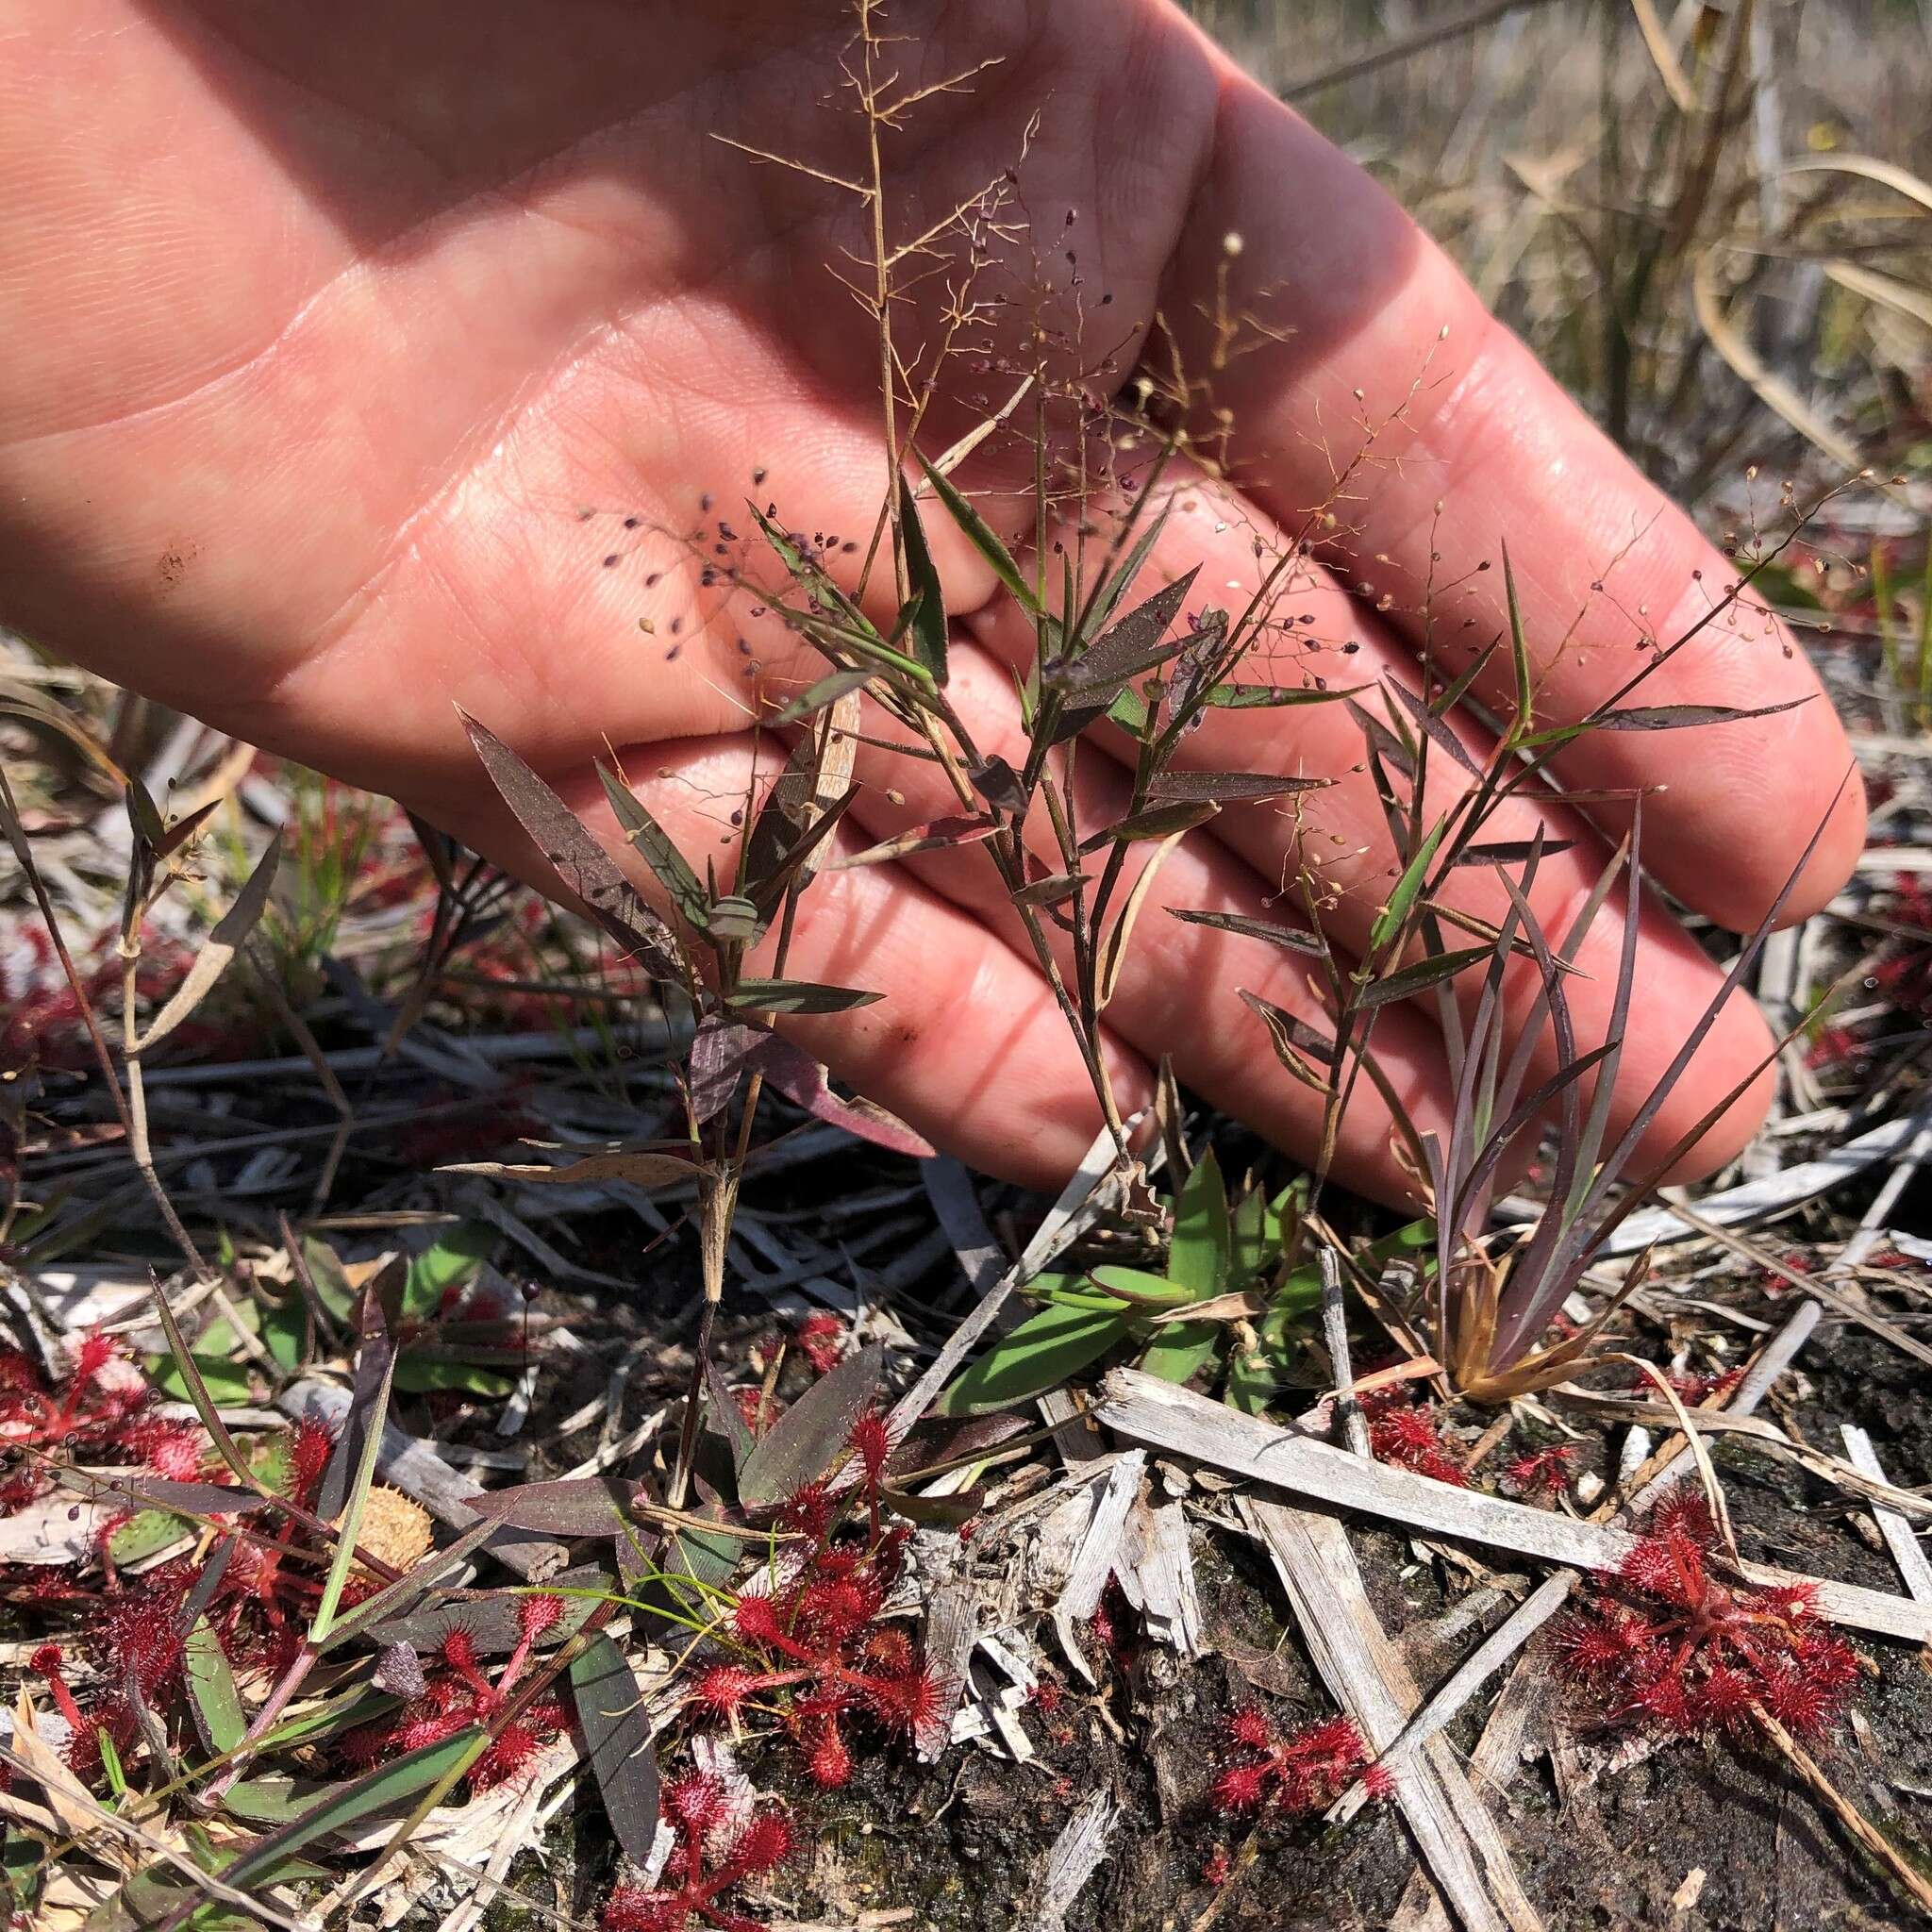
[[322, 322]]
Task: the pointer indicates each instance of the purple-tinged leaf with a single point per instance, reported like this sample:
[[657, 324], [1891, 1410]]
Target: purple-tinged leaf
[[1133, 645], [616, 1723], [194, 1499], [1682, 717], [1156, 822], [803, 1444], [1419, 977], [945, 1439], [962, 1506], [936, 834], [724, 1052], [1056, 889], [1226, 788], [1249, 697], [1448, 698], [929, 620], [571, 1506], [795, 996], [1510, 851], [399, 1672], [728, 1419], [767, 890], [1383, 742], [571, 851], [998, 783], [1296, 1043], [367, 1396], [493, 1620], [803, 1081], [1292, 937], [658, 849], [720, 1051], [1438, 731], [827, 690]]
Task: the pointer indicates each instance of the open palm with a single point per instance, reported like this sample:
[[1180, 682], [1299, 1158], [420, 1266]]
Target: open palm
[[363, 360]]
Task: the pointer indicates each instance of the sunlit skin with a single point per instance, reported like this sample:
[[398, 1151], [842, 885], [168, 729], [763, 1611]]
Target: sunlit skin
[[323, 324]]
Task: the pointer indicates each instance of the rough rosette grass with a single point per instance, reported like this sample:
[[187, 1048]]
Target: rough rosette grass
[[813, 1648], [1666, 1643], [1293, 1772], [457, 1696], [719, 1843]]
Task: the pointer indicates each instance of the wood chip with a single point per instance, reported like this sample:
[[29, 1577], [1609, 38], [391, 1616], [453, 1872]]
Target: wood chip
[[1458, 1840], [1071, 1858], [1157, 1575], [1905, 1547], [1146, 1410], [1756, 1200]]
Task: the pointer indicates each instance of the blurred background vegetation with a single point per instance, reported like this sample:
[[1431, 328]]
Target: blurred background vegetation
[[1711, 220]]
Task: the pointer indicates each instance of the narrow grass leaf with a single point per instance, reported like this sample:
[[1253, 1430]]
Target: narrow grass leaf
[[1452, 693], [367, 1414], [1121, 580], [226, 939], [617, 1729], [570, 1506], [1138, 642], [1055, 889], [379, 1791], [211, 1691], [571, 851], [1292, 937], [1439, 732], [1249, 697], [1510, 851], [928, 625], [1519, 653], [807, 1439], [1685, 717], [1300, 1050], [1409, 980], [1156, 822], [981, 534], [726, 1418], [794, 996], [815, 697], [1389, 922], [658, 851], [1226, 787]]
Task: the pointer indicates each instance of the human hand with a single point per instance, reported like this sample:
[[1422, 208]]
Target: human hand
[[323, 324]]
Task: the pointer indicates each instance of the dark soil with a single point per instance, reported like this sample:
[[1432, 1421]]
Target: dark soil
[[960, 1845]]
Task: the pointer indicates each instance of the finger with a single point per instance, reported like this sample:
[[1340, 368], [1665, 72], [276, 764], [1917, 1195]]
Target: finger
[[967, 1047], [1390, 346], [1339, 836], [1179, 988]]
